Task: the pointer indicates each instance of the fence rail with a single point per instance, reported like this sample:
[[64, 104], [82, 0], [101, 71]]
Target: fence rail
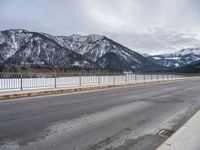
[[22, 81]]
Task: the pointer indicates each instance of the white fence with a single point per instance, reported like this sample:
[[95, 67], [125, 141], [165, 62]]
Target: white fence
[[33, 81]]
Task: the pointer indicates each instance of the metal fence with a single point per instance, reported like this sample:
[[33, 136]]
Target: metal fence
[[22, 81]]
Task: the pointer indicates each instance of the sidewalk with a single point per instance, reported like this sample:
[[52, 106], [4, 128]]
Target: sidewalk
[[186, 138], [60, 90]]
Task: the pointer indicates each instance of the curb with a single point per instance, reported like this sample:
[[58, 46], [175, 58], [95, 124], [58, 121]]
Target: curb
[[186, 137], [46, 92]]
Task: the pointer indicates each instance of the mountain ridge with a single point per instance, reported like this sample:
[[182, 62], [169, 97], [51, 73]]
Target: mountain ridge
[[33, 48], [23, 47], [177, 59], [97, 48]]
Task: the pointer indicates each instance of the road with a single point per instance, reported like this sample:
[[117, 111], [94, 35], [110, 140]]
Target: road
[[122, 118]]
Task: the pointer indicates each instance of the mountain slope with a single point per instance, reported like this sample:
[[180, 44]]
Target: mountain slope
[[177, 59], [107, 53], [191, 68], [21, 47]]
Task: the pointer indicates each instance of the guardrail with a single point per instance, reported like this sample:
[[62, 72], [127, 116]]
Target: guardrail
[[22, 81]]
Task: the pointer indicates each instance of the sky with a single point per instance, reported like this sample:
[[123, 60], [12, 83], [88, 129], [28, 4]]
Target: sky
[[145, 26]]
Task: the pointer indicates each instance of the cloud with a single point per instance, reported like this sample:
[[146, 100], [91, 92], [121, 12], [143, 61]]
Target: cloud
[[147, 26], [156, 43]]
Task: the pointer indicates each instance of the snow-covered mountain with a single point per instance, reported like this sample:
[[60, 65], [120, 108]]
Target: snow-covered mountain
[[21, 47], [177, 59], [191, 68], [106, 52]]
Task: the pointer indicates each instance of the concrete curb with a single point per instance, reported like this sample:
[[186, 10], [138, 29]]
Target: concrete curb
[[45, 92], [186, 137]]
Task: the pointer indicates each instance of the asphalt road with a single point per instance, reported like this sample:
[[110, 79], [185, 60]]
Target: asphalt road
[[120, 119]]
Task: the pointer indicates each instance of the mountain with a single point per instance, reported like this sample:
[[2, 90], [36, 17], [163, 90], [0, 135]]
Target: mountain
[[177, 59], [107, 53], [146, 55], [191, 68], [21, 47]]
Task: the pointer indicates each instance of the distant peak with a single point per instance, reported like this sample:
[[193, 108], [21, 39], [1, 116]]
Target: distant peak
[[96, 35], [189, 51], [146, 55], [76, 35], [92, 36], [17, 30]]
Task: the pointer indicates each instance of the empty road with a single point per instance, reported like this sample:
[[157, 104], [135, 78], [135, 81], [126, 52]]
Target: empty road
[[118, 119]]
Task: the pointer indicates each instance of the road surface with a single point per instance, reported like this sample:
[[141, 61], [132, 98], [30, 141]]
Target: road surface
[[122, 118]]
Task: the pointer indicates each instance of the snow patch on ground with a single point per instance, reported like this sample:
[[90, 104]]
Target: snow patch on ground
[[156, 58], [173, 58], [176, 64]]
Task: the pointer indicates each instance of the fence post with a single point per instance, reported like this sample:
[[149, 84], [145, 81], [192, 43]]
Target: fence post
[[99, 82], [126, 78], [151, 77], [80, 80], [113, 78], [21, 81], [144, 77], [55, 84], [135, 77]]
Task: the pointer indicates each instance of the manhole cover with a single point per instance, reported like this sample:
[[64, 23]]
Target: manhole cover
[[165, 133]]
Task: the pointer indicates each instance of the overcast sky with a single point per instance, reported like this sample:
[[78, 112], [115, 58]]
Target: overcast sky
[[145, 26]]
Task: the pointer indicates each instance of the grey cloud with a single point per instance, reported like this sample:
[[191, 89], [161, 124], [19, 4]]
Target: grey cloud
[[156, 43], [147, 26]]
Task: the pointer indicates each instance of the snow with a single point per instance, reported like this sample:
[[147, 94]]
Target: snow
[[134, 67], [76, 63], [92, 46], [85, 62], [195, 51], [156, 58], [2, 39], [126, 55], [14, 45], [173, 58], [96, 37], [95, 47], [180, 58], [176, 64]]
